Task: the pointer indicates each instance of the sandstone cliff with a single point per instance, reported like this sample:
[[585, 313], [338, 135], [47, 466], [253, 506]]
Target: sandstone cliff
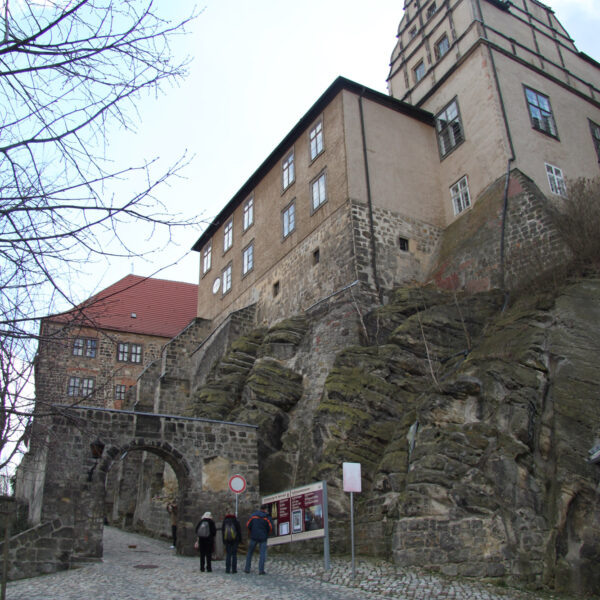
[[472, 425]]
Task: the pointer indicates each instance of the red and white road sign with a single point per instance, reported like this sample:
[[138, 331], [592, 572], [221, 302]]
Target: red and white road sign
[[237, 484]]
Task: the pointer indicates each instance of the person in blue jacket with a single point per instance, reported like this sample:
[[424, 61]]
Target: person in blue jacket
[[259, 527]]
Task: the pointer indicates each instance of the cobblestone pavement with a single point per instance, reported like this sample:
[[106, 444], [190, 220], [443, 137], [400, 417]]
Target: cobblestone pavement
[[151, 571]]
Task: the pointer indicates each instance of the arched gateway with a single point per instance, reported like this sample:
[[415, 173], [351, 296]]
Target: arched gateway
[[66, 490]]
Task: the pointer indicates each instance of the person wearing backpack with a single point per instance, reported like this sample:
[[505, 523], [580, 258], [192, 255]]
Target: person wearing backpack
[[259, 527], [232, 536], [206, 531]]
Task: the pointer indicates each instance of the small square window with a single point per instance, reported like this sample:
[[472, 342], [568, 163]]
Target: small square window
[[403, 243], [207, 258], [287, 171], [276, 289], [540, 112], [556, 180], [248, 259], [226, 279], [441, 47], [288, 217], [316, 255], [228, 235], [419, 72], [461, 199], [248, 213], [316, 140], [120, 392], [318, 192]]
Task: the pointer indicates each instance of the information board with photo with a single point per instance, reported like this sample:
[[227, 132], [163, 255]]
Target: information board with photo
[[297, 514]]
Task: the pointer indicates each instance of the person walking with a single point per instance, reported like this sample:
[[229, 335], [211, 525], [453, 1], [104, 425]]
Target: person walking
[[259, 527], [172, 510], [206, 531], [232, 536]]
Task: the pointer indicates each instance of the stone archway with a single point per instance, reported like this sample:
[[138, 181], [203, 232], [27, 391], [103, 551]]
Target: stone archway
[[72, 483]]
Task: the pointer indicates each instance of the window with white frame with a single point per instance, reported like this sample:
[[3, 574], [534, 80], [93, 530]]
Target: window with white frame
[[461, 199], [248, 259], [122, 352], [228, 235], [288, 217], [540, 112], [419, 71], [127, 352], [441, 47], [207, 258], [226, 278], [85, 347], [449, 128], [120, 391], [135, 353], [595, 129], [248, 212], [556, 180], [318, 192], [316, 140], [80, 386], [287, 171]]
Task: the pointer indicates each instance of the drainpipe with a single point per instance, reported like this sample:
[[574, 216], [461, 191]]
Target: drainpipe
[[369, 200]]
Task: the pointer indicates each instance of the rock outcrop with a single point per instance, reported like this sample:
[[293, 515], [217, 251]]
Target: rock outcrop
[[472, 425]]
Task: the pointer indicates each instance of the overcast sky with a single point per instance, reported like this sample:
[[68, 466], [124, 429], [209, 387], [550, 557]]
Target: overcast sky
[[257, 68]]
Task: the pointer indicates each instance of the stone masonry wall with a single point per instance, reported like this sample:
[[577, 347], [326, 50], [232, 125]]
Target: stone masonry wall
[[394, 265]]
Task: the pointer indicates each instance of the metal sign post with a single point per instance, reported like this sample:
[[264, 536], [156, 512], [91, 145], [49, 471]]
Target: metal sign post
[[237, 484], [352, 483]]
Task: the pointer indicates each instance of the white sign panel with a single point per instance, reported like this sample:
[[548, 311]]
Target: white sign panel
[[352, 481]]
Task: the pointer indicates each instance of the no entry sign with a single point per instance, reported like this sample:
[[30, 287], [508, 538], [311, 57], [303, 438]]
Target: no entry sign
[[237, 484]]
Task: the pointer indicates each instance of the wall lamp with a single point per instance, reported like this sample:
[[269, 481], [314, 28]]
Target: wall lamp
[[97, 448]]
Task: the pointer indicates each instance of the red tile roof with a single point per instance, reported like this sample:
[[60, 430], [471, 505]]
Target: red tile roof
[[138, 305]]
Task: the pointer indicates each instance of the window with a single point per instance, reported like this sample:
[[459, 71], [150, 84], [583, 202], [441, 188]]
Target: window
[[595, 129], [228, 235], [80, 386], [403, 243], [207, 258], [419, 72], [540, 112], [556, 180], [248, 259], [136, 353], [431, 10], [248, 213], [85, 347], [318, 192], [316, 256], [226, 279], [449, 128], [287, 170], [129, 352], [276, 289], [120, 392], [316, 140], [289, 219], [461, 200], [441, 47], [413, 32]]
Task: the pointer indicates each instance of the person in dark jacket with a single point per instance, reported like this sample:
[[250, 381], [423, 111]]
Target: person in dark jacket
[[206, 539], [231, 527], [259, 527]]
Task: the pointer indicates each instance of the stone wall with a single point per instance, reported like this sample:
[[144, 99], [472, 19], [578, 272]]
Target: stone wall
[[468, 256]]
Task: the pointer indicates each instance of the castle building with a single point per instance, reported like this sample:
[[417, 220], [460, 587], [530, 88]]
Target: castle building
[[94, 353], [365, 185]]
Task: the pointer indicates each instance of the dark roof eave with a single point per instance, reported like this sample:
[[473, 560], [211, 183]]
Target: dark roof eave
[[341, 83]]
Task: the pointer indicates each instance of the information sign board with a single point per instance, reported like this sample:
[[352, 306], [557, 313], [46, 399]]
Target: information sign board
[[297, 514]]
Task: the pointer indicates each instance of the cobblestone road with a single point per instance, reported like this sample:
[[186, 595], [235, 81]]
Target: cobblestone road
[[151, 571]]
